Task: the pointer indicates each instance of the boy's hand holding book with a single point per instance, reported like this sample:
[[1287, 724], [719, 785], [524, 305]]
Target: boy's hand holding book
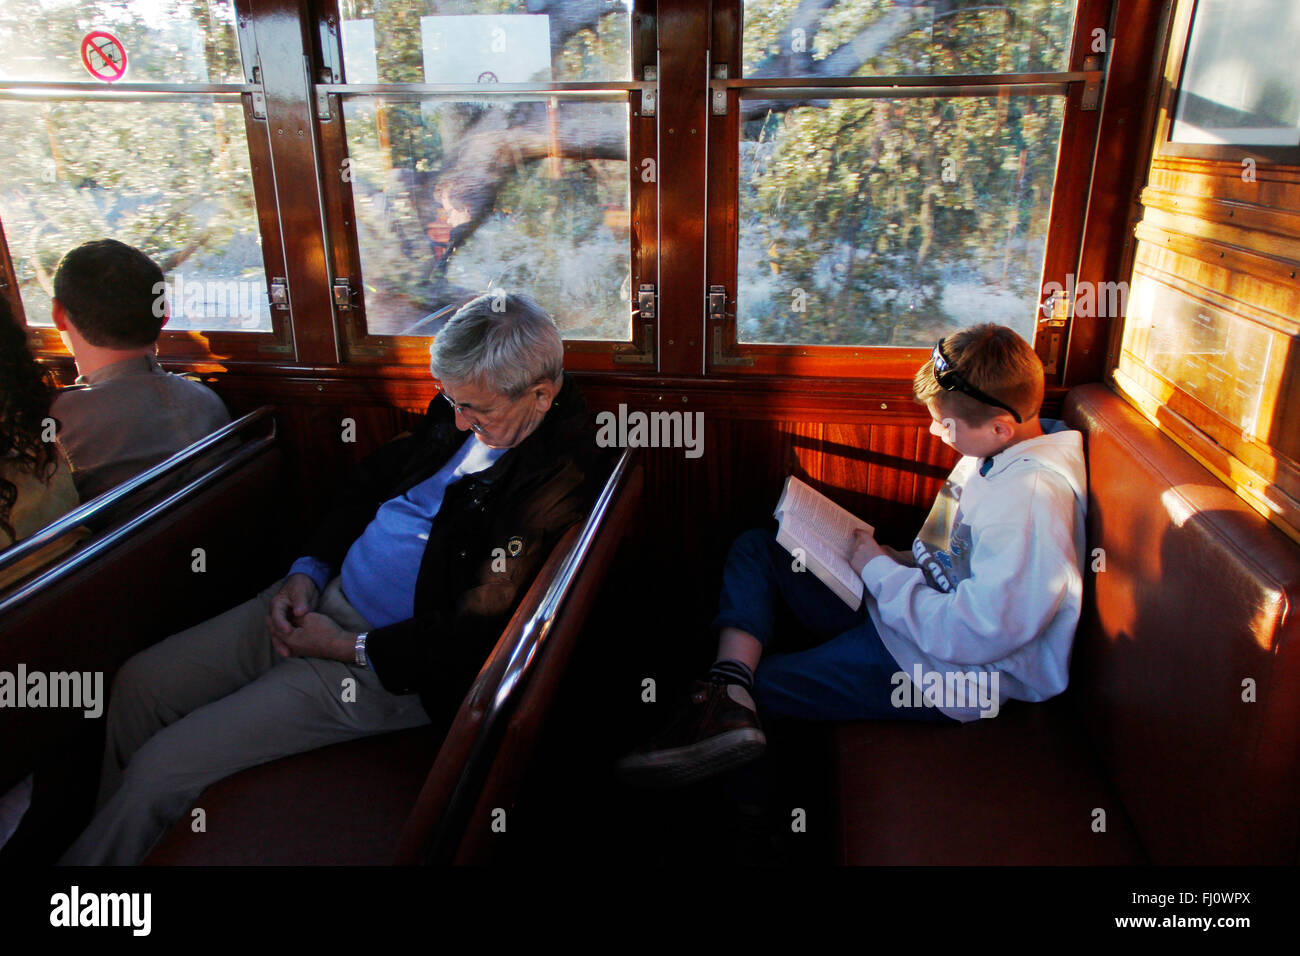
[[865, 549]]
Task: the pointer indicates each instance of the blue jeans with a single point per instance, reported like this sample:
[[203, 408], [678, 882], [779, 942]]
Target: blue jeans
[[848, 676]]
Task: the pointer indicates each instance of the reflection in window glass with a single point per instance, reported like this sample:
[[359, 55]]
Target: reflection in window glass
[[486, 41], [165, 41], [898, 37], [892, 222], [171, 179], [527, 194]]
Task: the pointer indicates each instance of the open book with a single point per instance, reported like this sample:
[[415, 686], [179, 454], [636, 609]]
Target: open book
[[819, 533]]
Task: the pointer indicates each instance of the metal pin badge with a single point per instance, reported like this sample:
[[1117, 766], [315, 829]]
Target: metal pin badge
[[514, 546]]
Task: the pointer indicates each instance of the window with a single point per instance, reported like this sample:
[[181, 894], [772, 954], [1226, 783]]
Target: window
[[125, 120], [894, 173], [485, 146]]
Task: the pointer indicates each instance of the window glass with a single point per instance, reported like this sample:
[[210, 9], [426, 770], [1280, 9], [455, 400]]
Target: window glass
[[453, 198], [171, 178], [897, 37], [892, 222], [163, 41], [1235, 85], [485, 41]]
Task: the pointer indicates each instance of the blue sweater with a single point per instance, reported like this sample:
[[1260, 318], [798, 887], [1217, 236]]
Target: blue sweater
[[381, 567]]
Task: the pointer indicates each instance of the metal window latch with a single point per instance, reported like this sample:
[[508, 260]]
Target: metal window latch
[[645, 301], [1053, 316], [1054, 313], [1091, 88], [717, 302], [719, 94], [649, 98], [249, 56], [259, 95], [279, 292], [723, 353], [342, 293]]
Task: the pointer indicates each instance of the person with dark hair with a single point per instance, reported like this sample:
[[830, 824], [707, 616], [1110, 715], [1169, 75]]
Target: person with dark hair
[[35, 482], [125, 413], [400, 594]]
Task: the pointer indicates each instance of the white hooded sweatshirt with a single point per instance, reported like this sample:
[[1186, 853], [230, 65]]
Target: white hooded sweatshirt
[[989, 612]]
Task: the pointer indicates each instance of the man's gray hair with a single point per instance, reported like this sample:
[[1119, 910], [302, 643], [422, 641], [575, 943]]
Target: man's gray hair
[[504, 342]]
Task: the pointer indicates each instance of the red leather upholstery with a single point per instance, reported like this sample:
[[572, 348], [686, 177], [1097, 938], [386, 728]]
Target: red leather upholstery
[[1197, 596], [1020, 788], [301, 811]]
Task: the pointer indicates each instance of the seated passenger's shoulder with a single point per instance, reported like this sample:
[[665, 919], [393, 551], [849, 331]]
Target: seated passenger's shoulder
[[203, 399]]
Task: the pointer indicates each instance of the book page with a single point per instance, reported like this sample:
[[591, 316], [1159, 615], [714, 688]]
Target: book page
[[834, 525], [825, 531], [836, 564]]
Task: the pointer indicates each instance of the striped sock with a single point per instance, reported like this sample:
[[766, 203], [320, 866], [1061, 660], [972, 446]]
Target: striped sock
[[732, 671]]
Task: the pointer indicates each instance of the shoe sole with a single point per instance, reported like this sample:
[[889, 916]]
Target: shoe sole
[[685, 765]]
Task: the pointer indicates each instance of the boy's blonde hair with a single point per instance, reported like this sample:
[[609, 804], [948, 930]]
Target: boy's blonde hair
[[996, 361]]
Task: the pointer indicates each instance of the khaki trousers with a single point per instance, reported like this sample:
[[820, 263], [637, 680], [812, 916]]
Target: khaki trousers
[[213, 700]]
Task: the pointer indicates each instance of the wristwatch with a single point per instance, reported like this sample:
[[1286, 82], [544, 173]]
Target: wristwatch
[[362, 659]]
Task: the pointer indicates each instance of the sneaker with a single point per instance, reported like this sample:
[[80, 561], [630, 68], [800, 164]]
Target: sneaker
[[715, 730]]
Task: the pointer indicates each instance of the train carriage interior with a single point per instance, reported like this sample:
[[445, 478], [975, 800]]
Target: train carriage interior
[[751, 221]]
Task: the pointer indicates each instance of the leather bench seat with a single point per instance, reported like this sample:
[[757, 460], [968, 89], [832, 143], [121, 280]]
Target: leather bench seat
[[307, 812], [1020, 789], [1182, 719]]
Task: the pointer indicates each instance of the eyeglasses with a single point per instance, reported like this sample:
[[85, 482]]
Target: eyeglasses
[[472, 415], [951, 380]]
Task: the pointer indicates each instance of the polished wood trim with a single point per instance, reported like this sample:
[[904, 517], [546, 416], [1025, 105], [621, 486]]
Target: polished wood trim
[[1222, 231], [1135, 67], [1071, 196], [1253, 217], [1235, 257], [284, 49], [683, 130], [643, 143]]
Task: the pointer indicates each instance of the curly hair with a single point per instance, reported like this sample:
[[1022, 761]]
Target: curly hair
[[27, 389]]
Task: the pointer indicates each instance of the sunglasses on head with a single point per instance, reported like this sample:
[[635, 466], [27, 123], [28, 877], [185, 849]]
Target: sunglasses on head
[[950, 380]]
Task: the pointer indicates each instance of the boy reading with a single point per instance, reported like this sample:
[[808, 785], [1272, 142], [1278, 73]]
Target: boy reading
[[983, 609]]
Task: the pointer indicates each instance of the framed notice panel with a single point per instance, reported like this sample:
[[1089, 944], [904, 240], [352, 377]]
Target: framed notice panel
[[1238, 90]]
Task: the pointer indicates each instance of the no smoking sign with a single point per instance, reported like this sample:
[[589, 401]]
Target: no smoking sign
[[103, 56]]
